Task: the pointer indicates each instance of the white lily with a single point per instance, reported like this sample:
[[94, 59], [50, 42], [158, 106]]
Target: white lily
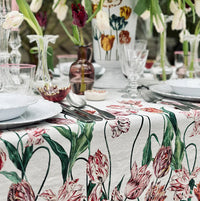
[[145, 15], [36, 5], [61, 9], [102, 21], [179, 20], [159, 25], [13, 20], [173, 6], [197, 7]]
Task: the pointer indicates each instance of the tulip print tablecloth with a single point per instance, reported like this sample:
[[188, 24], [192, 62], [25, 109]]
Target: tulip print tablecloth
[[150, 152]]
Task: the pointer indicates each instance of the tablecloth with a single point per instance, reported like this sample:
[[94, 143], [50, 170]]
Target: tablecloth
[[149, 152]]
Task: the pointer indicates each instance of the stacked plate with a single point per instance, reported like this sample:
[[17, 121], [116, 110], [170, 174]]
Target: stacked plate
[[17, 110], [185, 89]]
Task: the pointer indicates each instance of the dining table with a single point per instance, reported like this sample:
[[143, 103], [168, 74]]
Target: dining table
[[150, 151]]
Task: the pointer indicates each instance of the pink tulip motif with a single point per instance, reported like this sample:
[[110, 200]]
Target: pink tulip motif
[[21, 191], [162, 161], [139, 180], [96, 193], [116, 196], [2, 158], [97, 167]]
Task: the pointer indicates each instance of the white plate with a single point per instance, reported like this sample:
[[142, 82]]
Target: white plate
[[14, 105], [37, 112], [186, 87], [166, 91]]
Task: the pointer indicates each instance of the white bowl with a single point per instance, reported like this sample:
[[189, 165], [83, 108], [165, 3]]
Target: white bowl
[[14, 105], [186, 87]]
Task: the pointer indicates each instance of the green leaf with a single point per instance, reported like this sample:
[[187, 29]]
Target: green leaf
[[90, 188], [27, 156], [60, 152], [13, 155], [141, 6], [88, 7], [147, 152], [12, 176], [34, 50], [178, 152], [50, 58], [75, 32], [67, 133], [29, 16], [168, 134], [119, 184]]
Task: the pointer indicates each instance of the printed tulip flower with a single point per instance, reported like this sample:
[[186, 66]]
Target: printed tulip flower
[[107, 41], [116, 196], [96, 193], [70, 191], [13, 20], [117, 22], [155, 193], [2, 158], [125, 12], [197, 192], [162, 161], [97, 167], [138, 182], [124, 37], [21, 191]]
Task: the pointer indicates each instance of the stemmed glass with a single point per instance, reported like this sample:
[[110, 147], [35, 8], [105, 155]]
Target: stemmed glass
[[133, 62], [138, 46]]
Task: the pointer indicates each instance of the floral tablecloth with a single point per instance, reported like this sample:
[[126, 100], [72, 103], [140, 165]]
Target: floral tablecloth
[[150, 152]]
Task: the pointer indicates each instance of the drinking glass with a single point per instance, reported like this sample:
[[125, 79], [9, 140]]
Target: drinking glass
[[18, 78]]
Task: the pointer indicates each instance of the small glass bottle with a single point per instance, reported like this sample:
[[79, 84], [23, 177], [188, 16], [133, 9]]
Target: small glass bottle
[[81, 72]]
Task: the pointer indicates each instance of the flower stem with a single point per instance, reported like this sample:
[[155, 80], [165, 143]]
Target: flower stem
[[162, 54]]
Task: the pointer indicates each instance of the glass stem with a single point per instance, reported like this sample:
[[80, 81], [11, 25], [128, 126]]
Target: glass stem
[[162, 53]]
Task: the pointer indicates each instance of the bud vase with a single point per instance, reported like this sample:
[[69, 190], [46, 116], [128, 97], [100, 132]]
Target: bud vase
[[81, 72], [161, 69], [193, 68], [4, 36], [42, 76]]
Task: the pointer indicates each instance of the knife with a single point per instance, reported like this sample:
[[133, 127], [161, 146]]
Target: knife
[[81, 113]]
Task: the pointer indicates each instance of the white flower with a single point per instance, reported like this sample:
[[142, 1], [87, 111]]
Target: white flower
[[197, 7], [179, 20], [61, 9], [145, 15], [102, 21], [159, 25], [173, 6], [183, 34], [36, 5], [83, 3], [13, 20]]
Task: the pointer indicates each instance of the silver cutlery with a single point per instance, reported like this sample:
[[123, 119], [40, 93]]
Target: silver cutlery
[[82, 112], [149, 96], [79, 102]]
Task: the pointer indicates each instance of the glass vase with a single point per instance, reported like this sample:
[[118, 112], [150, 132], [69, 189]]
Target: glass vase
[[193, 69], [5, 7], [42, 76], [161, 69], [81, 72]]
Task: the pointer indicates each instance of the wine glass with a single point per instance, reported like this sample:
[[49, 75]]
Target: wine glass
[[134, 63]]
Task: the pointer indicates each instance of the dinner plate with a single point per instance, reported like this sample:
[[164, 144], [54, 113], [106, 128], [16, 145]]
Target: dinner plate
[[186, 87], [13, 105], [165, 90], [37, 112]]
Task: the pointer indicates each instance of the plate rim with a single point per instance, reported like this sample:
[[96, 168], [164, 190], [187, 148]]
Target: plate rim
[[171, 95], [12, 124]]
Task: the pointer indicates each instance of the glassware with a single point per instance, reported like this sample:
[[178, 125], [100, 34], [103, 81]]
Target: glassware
[[194, 68], [134, 63], [81, 72], [42, 76], [161, 68], [21, 82]]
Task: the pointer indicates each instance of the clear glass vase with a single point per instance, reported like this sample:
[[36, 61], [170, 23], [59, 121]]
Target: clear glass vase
[[193, 69], [161, 69], [42, 76]]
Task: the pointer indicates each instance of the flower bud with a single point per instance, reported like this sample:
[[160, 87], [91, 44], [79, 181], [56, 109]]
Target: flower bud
[[36, 5], [145, 15], [13, 20], [158, 23], [179, 20], [197, 7]]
